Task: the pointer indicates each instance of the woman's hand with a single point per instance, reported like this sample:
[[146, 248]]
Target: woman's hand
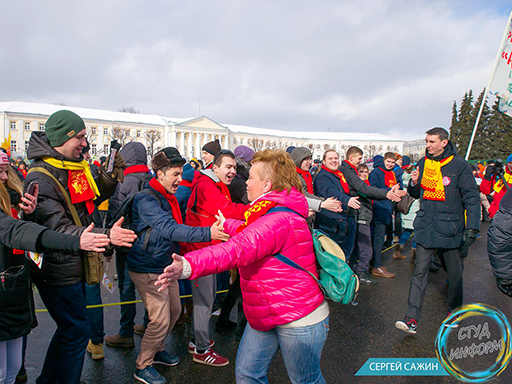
[[29, 202], [171, 273], [94, 242]]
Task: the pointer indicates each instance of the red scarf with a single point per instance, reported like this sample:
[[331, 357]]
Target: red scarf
[[224, 189], [255, 212], [175, 207], [389, 177], [97, 163], [136, 169], [209, 165], [340, 176], [307, 178], [186, 183], [80, 190]]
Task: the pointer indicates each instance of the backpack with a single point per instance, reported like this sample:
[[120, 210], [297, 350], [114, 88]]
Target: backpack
[[337, 280], [125, 210]]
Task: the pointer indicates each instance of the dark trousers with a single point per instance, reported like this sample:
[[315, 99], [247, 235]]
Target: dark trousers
[[454, 266], [363, 252], [65, 356], [379, 230], [95, 315], [126, 293], [344, 234]]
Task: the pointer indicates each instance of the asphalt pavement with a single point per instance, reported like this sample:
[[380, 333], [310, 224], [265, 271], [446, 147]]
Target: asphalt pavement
[[357, 333]]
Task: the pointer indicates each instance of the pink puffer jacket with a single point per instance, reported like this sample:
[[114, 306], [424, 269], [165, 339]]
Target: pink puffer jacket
[[273, 292]]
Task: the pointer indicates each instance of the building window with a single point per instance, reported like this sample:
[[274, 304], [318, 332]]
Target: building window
[[127, 133], [93, 149], [27, 125], [105, 131], [105, 149], [13, 125], [41, 126], [93, 130], [26, 145], [138, 134], [14, 146]]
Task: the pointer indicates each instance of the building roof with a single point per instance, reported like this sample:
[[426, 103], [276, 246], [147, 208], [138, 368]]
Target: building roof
[[124, 117]]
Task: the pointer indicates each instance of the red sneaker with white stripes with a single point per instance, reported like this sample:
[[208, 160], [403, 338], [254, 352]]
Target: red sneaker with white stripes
[[211, 358]]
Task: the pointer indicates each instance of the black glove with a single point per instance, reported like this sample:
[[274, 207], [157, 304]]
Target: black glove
[[489, 172], [469, 238]]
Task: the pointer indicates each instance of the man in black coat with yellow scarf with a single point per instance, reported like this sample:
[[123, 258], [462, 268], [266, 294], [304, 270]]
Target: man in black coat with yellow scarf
[[448, 192]]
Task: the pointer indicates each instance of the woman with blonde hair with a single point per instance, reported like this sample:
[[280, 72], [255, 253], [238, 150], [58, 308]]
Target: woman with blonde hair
[[17, 315], [284, 306]]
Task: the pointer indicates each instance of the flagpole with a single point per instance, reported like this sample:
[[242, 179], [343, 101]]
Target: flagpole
[[498, 57]]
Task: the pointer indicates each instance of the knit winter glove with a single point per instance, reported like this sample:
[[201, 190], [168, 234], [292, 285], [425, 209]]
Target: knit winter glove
[[469, 238], [119, 166]]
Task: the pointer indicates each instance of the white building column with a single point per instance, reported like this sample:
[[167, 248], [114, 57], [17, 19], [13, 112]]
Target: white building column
[[182, 142], [189, 153], [172, 134], [197, 151]]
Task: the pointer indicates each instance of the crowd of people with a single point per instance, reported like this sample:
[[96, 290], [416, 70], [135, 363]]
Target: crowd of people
[[189, 222]]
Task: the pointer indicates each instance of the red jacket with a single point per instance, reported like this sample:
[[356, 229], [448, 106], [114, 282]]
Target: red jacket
[[205, 201], [486, 187]]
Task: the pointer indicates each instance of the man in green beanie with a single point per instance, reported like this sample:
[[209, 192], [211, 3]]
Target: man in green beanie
[[60, 278]]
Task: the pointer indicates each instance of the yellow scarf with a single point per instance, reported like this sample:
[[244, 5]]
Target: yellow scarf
[[500, 184], [432, 179], [75, 166]]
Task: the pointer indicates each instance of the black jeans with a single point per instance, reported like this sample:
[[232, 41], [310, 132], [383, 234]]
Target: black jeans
[[454, 266]]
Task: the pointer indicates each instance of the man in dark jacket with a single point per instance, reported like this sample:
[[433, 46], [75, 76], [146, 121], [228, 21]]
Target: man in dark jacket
[[383, 177], [358, 187], [156, 216], [330, 182], [58, 150], [209, 151], [136, 177], [499, 244], [448, 194]]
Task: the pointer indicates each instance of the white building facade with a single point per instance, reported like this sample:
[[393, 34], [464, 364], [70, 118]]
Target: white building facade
[[19, 119]]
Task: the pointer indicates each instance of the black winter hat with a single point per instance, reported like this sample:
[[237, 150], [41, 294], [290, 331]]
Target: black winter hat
[[213, 147], [166, 157]]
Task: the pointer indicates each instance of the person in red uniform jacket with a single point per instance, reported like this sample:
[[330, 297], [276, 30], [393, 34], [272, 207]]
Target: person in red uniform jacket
[[210, 195], [492, 182]]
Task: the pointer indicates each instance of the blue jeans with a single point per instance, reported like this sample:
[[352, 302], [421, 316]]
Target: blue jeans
[[95, 315], [65, 356], [405, 236], [301, 348]]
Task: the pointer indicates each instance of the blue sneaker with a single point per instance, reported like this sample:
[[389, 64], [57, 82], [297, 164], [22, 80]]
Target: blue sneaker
[[149, 375], [165, 358]]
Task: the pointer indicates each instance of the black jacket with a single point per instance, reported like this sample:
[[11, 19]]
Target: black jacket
[[238, 187], [17, 314], [440, 224], [60, 268], [499, 241]]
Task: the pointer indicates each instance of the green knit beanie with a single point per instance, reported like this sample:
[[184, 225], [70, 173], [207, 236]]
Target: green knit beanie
[[62, 126]]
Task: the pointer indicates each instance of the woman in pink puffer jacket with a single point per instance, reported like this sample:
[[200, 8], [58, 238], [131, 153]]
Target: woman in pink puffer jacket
[[284, 306]]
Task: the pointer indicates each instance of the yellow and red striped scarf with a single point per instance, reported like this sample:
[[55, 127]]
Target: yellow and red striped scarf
[[432, 179], [255, 212], [500, 184]]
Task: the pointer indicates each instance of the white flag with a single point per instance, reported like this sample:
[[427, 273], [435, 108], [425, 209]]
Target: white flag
[[501, 85]]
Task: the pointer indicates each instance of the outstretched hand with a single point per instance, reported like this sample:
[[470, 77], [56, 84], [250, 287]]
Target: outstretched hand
[[171, 273], [93, 242], [354, 203], [121, 237]]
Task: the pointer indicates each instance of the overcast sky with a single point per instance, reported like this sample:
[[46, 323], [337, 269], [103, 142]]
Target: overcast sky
[[389, 66]]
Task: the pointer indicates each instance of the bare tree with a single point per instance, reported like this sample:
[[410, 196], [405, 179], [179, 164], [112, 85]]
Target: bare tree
[[256, 144], [152, 137], [122, 135], [129, 110], [370, 151]]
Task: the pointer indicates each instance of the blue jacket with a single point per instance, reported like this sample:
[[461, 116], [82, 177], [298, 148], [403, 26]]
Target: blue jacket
[[184, 190], [153, 249], [382, 209], [328, 185]]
